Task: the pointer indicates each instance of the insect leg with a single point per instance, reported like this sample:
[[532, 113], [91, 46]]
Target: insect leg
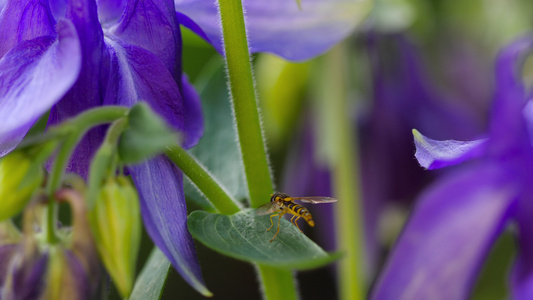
[[296, 223], [272, 223], [279, 219], [293, 216]]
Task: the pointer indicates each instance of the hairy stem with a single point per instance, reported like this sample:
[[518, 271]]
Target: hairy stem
[[207, 184], [73, 129], [244, 102], [276, 283]]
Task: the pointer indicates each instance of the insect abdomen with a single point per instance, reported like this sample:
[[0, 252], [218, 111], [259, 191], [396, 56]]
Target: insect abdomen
[[300, 211]]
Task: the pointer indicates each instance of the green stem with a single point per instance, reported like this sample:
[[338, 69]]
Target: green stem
[[210, 187], [54, 182], [104, 161], [102, 115], [277, 284], [114, 132], [341, 142], [244, 102], [76, 128]]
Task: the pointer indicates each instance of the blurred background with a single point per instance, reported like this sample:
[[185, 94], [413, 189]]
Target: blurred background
[[424, 64]]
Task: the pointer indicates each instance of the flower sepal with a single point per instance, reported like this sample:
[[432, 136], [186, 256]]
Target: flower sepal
[[116, 224], [147, 135]]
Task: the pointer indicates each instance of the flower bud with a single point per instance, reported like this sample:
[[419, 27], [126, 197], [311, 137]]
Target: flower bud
[[65, 278], [116, 224], [32, 268], [50, 273], [19, 178]]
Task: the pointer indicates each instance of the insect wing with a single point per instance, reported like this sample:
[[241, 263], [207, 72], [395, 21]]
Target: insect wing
[[314, 200], [268, 208]]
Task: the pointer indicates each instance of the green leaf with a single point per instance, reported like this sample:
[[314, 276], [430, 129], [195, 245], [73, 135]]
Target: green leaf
[[149, 284], [218, 150], [147, 135], [244, 236]]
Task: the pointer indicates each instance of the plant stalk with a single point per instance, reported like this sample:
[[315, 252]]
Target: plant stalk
[[277, 284]]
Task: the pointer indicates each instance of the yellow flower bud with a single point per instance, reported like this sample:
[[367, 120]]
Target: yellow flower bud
[[19, 178], [116, 224]]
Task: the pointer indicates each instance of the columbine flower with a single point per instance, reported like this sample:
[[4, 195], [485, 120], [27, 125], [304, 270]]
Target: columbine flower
[[73, 55], [279, 26], [133, 54], [66, 270], [450, 233], [403, 98]]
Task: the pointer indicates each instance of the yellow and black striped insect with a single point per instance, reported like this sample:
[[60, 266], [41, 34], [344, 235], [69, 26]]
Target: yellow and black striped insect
[[281, 204]]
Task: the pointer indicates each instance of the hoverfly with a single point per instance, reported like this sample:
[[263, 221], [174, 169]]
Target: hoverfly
[[281, 204]]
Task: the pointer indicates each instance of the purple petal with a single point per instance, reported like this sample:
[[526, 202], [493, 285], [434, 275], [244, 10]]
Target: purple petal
[[509, 62], [432, 154], [28, 279], [528, 116], [88, 89], [152, 25], [160, 186], [507, 125], [522, 272], [194, 121], [22, 21], [77, 284], [86, 93], [110, 11], [448, 236], [6, 253], [136, 75], [189, 23], [405, 97], [280, 27], [33, 77], [58, 8]]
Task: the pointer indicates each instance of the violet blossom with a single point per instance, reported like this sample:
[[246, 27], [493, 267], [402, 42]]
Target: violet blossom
[[458, 219], [403, 97], [69, 56], [83, 63], [280, 26]]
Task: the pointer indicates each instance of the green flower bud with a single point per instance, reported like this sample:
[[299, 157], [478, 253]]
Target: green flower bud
[[33, 269], [19, 178], [65, 277], [115, 220]]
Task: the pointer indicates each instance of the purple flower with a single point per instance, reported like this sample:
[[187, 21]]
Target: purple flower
[[279, 26], [457, 220], [70, 55], [68, 269], [403, 98], [79, 63]]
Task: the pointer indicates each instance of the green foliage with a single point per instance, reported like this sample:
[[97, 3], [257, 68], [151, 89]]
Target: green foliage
[[219, 135], [149, 284], [146, 135], [244, 236]]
